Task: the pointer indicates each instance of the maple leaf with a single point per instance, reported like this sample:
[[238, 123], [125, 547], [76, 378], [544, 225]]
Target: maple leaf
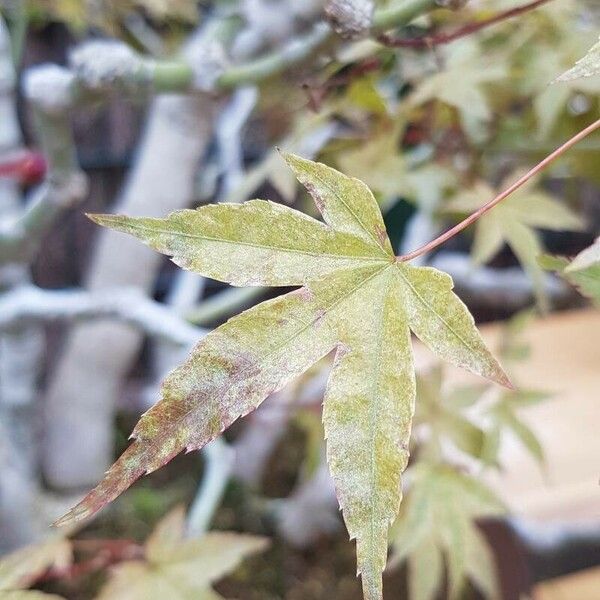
[[178, 568], [583, 272], [440, 410], [462, 85], [551, 101], [438, 518], [356, 298], [513, 222], [504, 412]]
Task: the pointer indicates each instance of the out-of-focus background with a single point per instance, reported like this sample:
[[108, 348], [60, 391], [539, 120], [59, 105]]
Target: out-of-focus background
[[143, 107]]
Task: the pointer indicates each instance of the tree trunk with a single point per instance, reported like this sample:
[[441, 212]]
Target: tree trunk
[[82, 392], [19, 351]]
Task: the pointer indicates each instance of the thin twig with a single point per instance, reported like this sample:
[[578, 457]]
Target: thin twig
[[428, 41], [492, 203]]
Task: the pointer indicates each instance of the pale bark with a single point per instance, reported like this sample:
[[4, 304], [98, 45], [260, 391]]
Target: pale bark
[[19, 351], [82, 392]]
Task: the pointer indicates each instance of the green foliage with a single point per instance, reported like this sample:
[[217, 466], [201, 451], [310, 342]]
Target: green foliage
[[513, 222], [108, 14], [179, 568], [356, 299], [437, 525], [583, 272], [441, 412]]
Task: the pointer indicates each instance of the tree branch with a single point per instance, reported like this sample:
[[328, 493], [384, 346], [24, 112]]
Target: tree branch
[[29, 303], [502, 196], [429, 41], [317, 39]]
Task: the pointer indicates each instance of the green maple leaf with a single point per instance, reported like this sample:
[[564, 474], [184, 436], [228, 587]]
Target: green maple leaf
[[437, 520], [177, 568], [504, 413], [583, 272], [551, 101], [461, 85], [356, 299], [441, 411], [514, 222]]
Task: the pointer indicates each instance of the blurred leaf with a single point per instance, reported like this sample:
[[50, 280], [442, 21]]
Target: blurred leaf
[[425, 571], [379, 163], [109, 14], [440, 410], [29, 595], [583, 272], [461, 84], [514, 222], [439, 512], [177, 568], [505, 417], [310, 422]]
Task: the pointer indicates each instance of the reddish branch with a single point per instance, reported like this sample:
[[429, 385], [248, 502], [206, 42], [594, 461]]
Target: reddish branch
[[27, 167], [429, 41], [503, 195], [106, 554]]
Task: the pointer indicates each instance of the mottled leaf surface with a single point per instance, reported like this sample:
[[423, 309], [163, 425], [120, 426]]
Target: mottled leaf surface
[[177, 568], [255, 243], [588, 66], [356, 300]]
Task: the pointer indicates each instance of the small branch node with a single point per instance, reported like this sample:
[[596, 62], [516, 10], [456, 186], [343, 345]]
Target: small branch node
[[208, 59], [452, 4], [351, 19], [49, 87], [99, 64]]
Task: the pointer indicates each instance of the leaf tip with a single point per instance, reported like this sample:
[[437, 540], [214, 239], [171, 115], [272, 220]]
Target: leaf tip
[[76, 514], [105, 220]]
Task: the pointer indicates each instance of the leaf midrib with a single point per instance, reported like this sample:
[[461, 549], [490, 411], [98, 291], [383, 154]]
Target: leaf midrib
[[262, 246], [373, 419], [354, 215], [428, 306]]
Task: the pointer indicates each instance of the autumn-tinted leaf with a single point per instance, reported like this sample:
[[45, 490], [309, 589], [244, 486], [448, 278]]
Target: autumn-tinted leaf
[[356, 299], [21, 568]]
